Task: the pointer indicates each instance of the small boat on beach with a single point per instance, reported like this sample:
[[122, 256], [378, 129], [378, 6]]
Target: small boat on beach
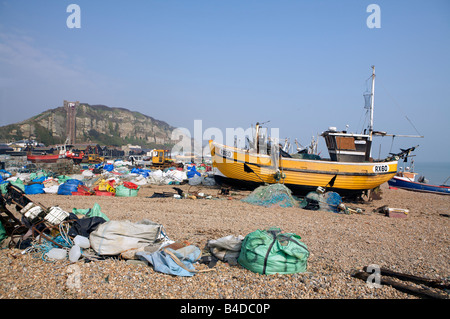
[[408, 180], [43, 158], [63, 151]]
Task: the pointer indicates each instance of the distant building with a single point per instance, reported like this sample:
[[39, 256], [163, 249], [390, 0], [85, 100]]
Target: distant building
[[132, 150], [112, 152], [71, 110], [5, 148], [25, 143]]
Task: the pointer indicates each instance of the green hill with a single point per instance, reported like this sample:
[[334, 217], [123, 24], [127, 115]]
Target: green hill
[[94, 124]]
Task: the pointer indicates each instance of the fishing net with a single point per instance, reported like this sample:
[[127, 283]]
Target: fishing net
[[274, 194], [328, 201]]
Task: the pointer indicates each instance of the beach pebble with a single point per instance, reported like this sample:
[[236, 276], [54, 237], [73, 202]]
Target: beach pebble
[[339, 244]]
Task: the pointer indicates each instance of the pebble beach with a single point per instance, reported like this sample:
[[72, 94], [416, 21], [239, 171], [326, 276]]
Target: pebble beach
[[339, 245]]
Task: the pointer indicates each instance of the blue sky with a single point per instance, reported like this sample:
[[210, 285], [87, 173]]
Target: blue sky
[[302, 65]]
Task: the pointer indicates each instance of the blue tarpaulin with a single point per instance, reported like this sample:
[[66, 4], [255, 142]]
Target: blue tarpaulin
[[34, 189], [40, 179], [67, 188], [140, 171], [163, 262], [4, 173], [74, 181], [192, 171]]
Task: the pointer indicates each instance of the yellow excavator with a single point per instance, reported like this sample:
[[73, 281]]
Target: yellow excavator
[[161, 159], [92, 156]]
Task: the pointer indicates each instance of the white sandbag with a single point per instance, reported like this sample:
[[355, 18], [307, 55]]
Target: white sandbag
[[118, 163], [87, 173], [155, 177], [176, 175], [195, 180], [116, 236], [23, 176], [226, 248], [140, 182], [157, 173], [76, 176], [229, 242], [51, 190]]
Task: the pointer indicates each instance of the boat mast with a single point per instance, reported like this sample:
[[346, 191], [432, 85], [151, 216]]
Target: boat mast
[[257, 136], [372, 103]]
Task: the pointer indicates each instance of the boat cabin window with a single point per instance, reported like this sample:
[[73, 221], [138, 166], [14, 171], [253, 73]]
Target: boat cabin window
[[330, 142], [345, 143]]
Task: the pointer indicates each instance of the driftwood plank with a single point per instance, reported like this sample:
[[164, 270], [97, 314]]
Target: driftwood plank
[[403, 287], [419, 280]]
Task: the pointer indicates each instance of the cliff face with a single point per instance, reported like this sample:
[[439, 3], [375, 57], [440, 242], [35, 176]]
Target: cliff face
[[94, 123]]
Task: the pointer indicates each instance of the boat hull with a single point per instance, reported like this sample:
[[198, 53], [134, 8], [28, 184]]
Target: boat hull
[[43, 158], [232, 165], [402, 183]]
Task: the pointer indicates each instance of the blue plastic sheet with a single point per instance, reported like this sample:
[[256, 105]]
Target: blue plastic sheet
[[163, 262], [4, 173], [74, 182], [40, 179], [34, 189], [67, 188], [192, 171], [140, 171]]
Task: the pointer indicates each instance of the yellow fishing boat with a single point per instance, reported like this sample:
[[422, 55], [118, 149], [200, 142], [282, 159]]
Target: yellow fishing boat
[[350, 170], [243, 168]]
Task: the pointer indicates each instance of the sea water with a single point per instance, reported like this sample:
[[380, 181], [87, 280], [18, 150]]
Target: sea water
[[435, 172]]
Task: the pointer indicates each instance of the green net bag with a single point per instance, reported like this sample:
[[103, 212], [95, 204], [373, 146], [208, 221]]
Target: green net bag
[[122, 191], [4, 188], [2, 232], [19, 184], [271, 251]]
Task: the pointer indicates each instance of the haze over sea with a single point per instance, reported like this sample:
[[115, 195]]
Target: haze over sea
[[435, 172]]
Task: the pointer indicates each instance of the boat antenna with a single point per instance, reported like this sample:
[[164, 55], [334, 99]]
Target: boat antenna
[[399, 107], [372, 103], [446, 181]]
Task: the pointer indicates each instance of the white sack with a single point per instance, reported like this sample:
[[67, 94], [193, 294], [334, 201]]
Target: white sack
[[116, 236]]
